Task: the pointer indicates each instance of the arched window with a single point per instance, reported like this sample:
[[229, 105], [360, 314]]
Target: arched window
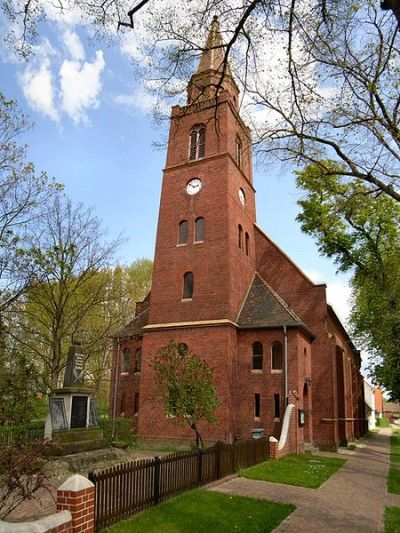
[[247, 242], [183, 232], [257, 356], [188, 282], [199, 229], [197, 142], [277, 356], [240, 237], [138, 360], [239, 152], [126, 360]]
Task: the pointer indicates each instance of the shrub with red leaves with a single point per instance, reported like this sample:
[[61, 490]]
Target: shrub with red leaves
[[21, 474]]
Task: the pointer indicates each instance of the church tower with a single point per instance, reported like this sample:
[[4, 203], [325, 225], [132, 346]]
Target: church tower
[[205, 253]]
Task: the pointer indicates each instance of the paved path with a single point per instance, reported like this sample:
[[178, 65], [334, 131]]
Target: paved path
[[352, 500]]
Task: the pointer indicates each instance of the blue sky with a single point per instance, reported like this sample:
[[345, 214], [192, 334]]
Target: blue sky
[[94, 133]]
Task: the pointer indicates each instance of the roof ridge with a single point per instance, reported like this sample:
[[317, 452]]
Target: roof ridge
[[296, 266], [280, 300]]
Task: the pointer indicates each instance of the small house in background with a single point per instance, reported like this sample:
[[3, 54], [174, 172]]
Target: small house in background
[[391, 411], [370, 406], [378, 403]]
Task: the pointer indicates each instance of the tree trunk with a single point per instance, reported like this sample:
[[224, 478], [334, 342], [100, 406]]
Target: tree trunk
[[199, 439]]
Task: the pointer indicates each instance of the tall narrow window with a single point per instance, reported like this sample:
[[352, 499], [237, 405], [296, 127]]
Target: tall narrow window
[[247, 243], [136, 404], [277, 406], [256, 406], [239, 152], [126, 360], [199, 229], [240, 237], [138, 360], [257, 356], [188, 282], [183, 232], [197, 146], [277, 356]]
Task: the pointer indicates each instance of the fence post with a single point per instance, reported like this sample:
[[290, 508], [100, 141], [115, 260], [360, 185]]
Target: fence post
[[156, 487], [254, 451], [91, 476], [200, 467], [218, 460]]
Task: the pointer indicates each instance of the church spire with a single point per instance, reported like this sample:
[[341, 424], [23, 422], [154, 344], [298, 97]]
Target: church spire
[[212, 72], [214, 53]]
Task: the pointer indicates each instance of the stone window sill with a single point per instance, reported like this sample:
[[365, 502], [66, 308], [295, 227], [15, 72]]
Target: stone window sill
[[276, 371], [186, 300], [256, 371]]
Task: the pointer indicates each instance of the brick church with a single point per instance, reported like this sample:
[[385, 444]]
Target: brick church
[[225, 289]]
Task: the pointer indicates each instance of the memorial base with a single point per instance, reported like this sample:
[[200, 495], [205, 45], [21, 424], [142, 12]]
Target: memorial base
[[68, 441]]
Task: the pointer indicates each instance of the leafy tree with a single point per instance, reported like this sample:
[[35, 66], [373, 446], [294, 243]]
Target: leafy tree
[[128, 284], [185, 383], [361, 232], [23, 197], [69, 249], [320, 80], [19, 387]]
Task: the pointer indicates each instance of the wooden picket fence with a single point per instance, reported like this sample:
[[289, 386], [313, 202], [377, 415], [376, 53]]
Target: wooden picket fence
[[128, 488]]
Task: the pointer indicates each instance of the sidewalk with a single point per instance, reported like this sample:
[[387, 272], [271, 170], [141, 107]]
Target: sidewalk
[[352, 500]]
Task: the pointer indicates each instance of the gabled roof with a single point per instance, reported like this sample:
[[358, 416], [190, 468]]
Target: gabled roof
[[264, 308], [134, 327]]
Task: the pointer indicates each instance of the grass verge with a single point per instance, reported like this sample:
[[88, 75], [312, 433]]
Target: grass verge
[[302, 470], [392, 520], [202, 511], [394, 480], [395, 447]]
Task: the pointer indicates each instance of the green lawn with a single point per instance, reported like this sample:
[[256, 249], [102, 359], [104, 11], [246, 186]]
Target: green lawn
[[395, 447], [394, 480], [302, 470], [392, 520], [201, 511]]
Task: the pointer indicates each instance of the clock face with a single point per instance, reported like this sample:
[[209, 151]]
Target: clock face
[[242, 197], [194, 186]]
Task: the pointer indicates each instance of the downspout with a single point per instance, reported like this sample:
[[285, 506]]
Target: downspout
[[286, 367], [115, 390]]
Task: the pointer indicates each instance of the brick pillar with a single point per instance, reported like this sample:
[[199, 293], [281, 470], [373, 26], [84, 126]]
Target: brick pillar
[[76, 495], [273, 447]]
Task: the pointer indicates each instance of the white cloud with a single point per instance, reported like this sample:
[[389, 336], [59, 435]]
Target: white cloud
[[37, 85], [337, 293], [70, 16], [74, 45], [139, 100], [80, 86], [338, 296], [314, 275]]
